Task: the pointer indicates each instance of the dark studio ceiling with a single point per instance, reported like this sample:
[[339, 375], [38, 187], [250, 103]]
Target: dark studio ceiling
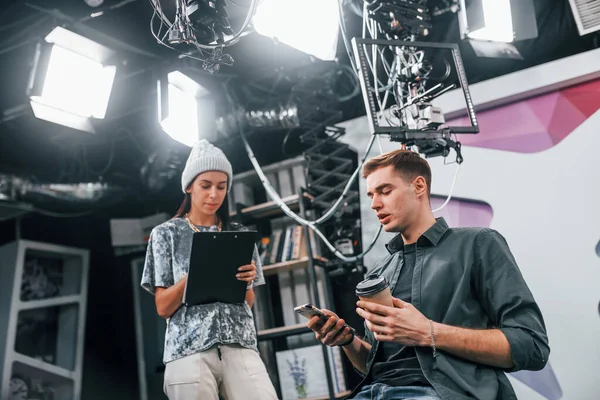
[[263, 72]]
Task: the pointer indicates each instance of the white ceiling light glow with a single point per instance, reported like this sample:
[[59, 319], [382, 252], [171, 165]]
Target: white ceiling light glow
[[498, 25], [185, 111], [311, 26], [493, 28], [76, 85]]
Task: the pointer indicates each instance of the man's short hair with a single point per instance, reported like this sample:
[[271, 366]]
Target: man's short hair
[[406, 163]]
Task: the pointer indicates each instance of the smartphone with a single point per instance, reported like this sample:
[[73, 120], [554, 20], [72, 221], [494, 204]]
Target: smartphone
[[309, 311]]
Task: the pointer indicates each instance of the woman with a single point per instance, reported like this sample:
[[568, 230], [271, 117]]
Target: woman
[[211, 349]]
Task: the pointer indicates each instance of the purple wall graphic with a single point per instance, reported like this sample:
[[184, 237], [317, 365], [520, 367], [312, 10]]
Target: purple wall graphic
[[463, 213], [535, 124], [528, 126]]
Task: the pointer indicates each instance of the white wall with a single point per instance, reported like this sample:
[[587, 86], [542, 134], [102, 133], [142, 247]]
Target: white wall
[[547, 206]]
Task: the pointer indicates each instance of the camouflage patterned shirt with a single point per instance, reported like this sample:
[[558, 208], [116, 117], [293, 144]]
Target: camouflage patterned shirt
[[195, 328]]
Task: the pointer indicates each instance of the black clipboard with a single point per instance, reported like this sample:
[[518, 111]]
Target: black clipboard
[[214, 262]]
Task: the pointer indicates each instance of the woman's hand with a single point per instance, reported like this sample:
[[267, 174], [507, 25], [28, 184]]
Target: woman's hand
[[247, 273], [168, 300]]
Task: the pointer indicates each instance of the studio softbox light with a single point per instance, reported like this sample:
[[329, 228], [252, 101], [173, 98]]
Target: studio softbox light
[[71, 80], [491, 26], [186, 111]]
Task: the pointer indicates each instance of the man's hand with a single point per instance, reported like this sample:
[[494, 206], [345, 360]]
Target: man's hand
[[402, 323], [332, 332], [247, 273]]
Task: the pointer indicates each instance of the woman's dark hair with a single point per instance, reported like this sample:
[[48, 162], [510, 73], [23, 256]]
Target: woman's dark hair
[[222, 212]]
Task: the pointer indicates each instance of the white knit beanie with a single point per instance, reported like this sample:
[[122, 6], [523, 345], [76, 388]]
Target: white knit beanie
[[205, 157]]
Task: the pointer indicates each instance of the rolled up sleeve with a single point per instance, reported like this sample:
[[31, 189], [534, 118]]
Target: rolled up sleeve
[[509, 303], [528, 350]]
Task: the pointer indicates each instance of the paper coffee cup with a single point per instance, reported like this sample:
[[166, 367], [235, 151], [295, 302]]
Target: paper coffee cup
[[375, 289]]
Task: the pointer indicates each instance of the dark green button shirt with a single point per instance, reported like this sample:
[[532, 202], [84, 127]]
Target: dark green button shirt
[[467, 277]]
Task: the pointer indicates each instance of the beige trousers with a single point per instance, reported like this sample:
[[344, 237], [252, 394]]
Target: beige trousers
[[233, 371]]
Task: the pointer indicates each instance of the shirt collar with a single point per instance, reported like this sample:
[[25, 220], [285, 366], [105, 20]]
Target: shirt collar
[[433, 235]]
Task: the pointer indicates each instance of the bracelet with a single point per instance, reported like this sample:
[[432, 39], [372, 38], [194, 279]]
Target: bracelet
[[348, 342], [432, 338]]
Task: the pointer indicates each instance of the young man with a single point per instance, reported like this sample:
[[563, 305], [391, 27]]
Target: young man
[[463, 314]]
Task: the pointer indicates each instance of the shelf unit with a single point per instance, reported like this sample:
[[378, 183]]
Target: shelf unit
[[287, 266], [150, 337], [277, 330], [309, 263], [43, 297], [282, 331], [269, 209]]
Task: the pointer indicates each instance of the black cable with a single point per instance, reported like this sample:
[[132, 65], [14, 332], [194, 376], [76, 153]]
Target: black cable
[[63, 215], [285, 139], [446, 74], [53, 213], [106, 167], [102, 11], [235, 38], [356, 83], [25, 20], [24, 32], [344, 32], [355, 8], [161, 42]]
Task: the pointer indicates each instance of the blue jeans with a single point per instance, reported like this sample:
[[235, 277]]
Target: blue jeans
[[379, 391]]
